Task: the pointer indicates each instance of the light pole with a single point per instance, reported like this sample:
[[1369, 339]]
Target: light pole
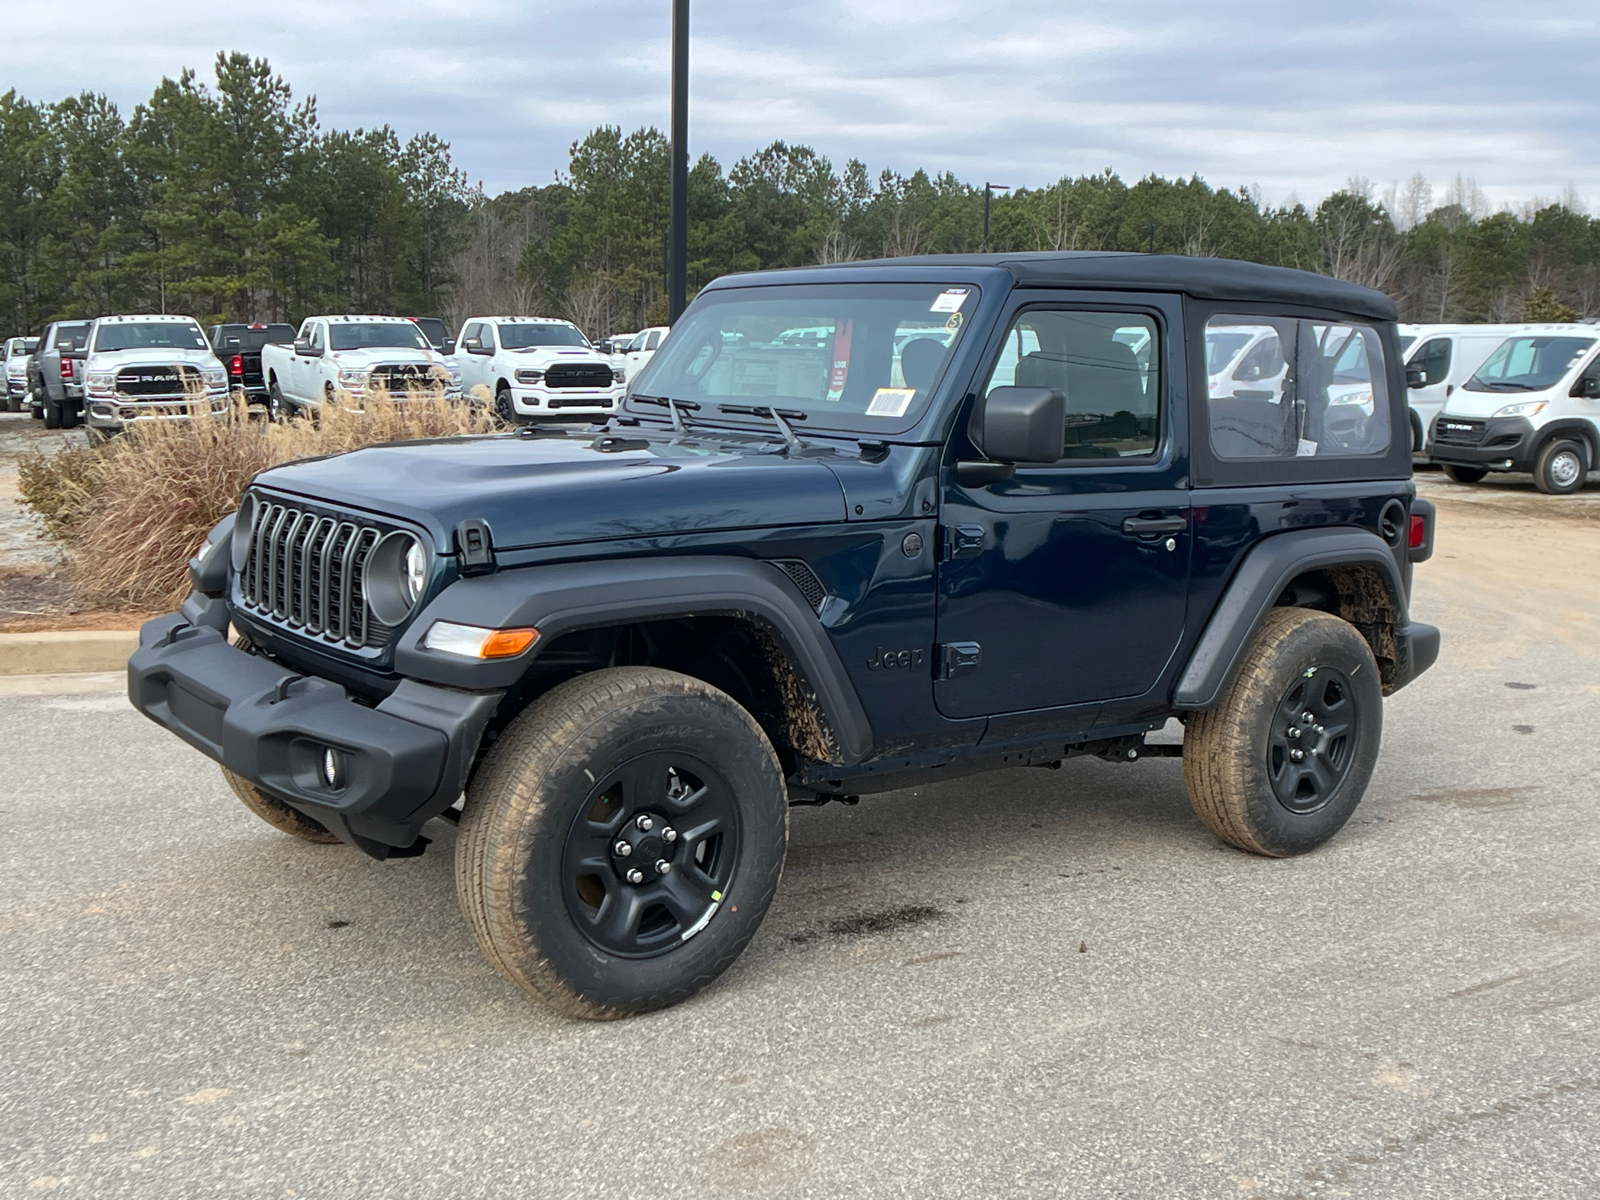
[[989, 189], [678, 272]]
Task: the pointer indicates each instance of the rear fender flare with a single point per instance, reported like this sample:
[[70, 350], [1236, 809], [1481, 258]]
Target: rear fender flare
[[1260, 579], [567, 597]]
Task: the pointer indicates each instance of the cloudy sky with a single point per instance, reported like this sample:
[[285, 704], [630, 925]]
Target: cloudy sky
[[1291, 98]]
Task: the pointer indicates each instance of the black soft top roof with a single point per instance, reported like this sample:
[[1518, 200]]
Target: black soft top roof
[[1204, 278]]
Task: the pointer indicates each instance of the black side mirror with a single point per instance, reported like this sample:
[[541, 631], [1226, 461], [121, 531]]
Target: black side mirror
[[1248, 373], [449, 346], [1416, 377], [1589, 387], [302, 345], [1017, 425]]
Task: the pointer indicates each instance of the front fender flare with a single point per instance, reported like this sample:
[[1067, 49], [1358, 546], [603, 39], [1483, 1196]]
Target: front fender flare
[[566, 597], [1256, 586]]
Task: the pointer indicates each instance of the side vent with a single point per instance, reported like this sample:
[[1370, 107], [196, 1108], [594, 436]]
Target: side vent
[[805, 579]]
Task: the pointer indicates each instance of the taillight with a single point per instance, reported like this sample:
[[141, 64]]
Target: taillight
[[66, 368], [1419, 531], [236, 367]]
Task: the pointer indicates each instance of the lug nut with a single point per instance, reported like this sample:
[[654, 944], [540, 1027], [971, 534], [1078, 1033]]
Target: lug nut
[[623, 849], [644, 823], [1296, 755], [662, 866], [669, 834], [635, 875], [1294, 733]]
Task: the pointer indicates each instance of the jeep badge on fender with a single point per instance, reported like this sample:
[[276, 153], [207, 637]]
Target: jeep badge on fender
[[615, 657]]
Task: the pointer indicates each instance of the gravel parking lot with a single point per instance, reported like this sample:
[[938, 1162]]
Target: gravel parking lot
[[1029, 983]]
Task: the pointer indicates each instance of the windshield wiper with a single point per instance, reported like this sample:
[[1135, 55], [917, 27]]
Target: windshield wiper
[[673, 406], [792, 442], [1505, 385]]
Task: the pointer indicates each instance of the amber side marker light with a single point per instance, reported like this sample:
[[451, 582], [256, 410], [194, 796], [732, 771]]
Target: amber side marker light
[[473, 641]]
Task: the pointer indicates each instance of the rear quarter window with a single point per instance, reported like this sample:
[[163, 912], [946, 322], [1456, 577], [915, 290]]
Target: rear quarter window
[[1295, 388]]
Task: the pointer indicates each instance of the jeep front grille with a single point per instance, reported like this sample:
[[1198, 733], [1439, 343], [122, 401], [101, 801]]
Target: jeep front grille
[[304, 571], [577, 375]]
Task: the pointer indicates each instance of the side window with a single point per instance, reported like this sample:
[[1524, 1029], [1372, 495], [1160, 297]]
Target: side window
[[319, 337], [1107, 366], [1433, 358], [473, 331], [1301, 389], [655, 340], [486, 334]]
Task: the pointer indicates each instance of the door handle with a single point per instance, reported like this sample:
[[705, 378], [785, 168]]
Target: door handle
[[1154, 526]]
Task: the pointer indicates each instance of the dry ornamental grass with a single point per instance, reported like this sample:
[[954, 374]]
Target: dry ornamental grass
[[132, 511]]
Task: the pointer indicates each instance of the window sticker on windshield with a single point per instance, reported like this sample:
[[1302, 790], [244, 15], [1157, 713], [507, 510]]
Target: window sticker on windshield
[[1306, 449], [890, 402], [840, 375], [949, 301], [954, 323]]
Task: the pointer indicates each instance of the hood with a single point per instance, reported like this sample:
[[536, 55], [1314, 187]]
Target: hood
[[1464, 403], [153, 356], [555, 491], [353, 360]]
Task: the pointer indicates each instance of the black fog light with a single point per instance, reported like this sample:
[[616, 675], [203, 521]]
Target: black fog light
[[332, 768]]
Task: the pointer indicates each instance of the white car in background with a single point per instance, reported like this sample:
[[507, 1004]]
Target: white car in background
[[642, 348], [354, 356], [18, 351], [140, 368], [536, 368]]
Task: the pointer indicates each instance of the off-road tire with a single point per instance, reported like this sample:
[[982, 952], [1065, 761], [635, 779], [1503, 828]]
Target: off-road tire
[[546, 771], [1562, 468], [1228, 750], [278, 814], [1465, 474]]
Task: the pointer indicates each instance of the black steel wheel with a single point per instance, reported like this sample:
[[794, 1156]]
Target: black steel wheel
[[622, 841], [650, 857], [1281, 762]]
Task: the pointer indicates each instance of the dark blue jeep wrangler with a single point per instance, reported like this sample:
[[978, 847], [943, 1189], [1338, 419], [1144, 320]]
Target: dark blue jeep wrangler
[[855, 527]]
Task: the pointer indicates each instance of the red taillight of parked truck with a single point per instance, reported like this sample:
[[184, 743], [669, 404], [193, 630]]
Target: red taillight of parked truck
[[66, 368], [236, 367]]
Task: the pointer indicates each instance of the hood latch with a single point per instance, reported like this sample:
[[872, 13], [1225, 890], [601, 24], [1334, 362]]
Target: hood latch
[[474, 547]]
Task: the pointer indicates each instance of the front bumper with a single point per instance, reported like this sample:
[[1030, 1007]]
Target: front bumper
[[109, 411], [404, 761], [565, 402], [1497, 443]]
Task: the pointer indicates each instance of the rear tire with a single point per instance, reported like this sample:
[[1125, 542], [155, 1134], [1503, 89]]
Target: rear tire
[[1562, 468], [52, 415], [278, 814], [275, 405], [1308, 685], [1465, 474], [631, 756]]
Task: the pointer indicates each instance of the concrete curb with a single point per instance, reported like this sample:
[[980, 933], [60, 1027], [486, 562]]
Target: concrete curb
[[67, 651]]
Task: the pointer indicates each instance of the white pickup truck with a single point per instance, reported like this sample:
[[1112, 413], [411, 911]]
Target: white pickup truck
[[536, 368], [355, 356], [142, 368]]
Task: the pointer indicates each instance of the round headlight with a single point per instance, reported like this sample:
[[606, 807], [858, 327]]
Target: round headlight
[[416, 572], [394, 577], [244, 531]]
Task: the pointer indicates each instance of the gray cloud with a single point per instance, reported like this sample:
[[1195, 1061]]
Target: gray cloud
[[1293, 99]]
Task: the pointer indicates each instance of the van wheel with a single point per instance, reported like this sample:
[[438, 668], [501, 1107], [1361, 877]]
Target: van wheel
[[622, 841], [1561, 468], [1281, 763], [1465, 474], [278, 814]]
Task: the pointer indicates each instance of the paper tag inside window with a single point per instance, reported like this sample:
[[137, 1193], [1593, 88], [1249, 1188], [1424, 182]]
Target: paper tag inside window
[[950, 301], [890, 402], [1306, 449]]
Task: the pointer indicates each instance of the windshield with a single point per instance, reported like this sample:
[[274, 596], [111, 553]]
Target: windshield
[[857, 356], [1220, 349], [1529, 364], [526, 337], [352, 336], [165, 335]]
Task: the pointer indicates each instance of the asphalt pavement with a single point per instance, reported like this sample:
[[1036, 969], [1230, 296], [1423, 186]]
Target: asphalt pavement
[[1031, 983]]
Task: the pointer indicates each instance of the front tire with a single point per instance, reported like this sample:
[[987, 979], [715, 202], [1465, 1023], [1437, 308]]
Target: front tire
[[275, 405], [505, 408], [1281, 763], [1465, 474], [278, 814], [1561, 468], [582, 802]]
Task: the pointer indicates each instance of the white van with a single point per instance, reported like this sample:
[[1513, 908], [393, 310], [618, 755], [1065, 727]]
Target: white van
[[1441, 358], [1533, 405]]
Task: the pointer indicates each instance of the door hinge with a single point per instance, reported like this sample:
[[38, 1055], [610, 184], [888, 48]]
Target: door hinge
[[959, 541], [959, 658]]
